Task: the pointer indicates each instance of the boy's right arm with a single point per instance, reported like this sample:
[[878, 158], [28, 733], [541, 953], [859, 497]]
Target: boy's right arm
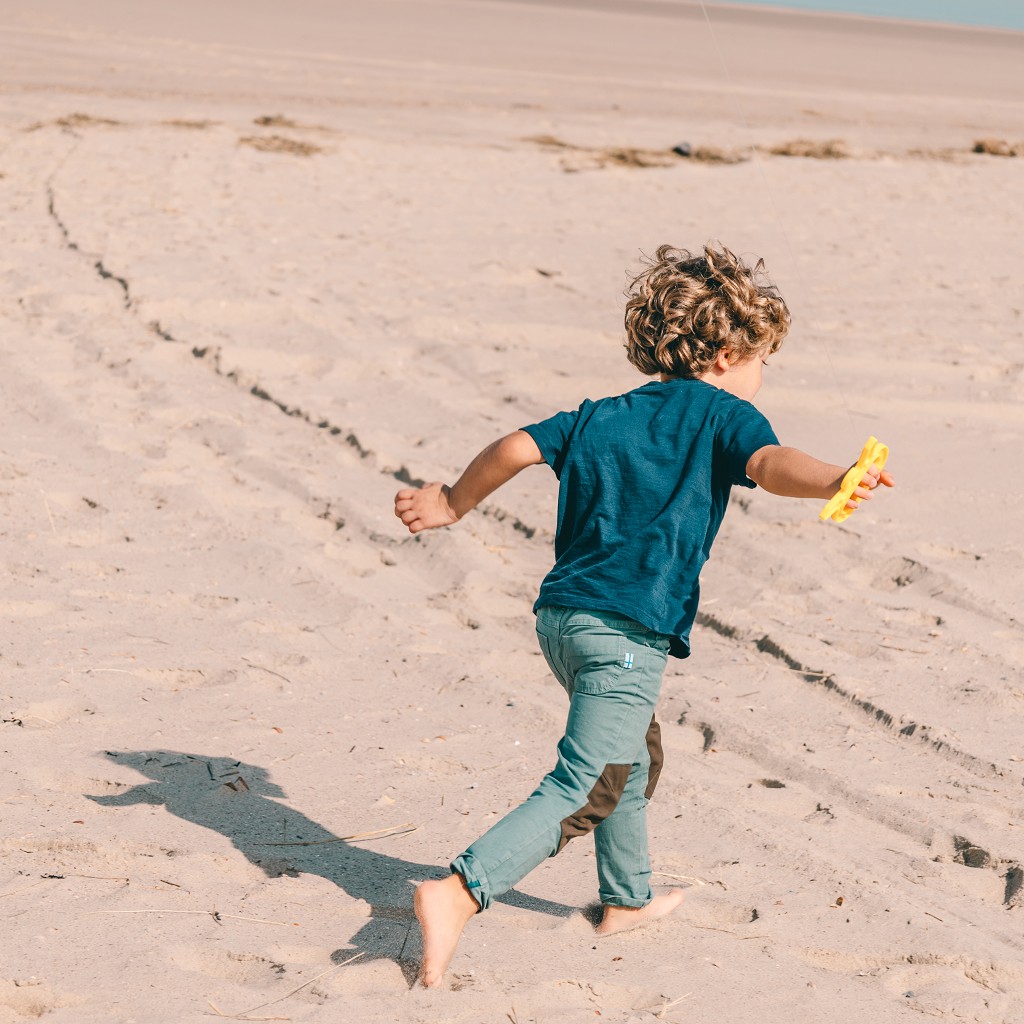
[[795, 474], [437, 504]]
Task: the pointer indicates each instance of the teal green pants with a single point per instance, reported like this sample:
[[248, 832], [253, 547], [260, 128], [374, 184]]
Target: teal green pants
[[608, 762]]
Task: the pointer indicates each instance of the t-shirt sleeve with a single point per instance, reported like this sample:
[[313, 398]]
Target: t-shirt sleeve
[[743, 431], [552, 437]]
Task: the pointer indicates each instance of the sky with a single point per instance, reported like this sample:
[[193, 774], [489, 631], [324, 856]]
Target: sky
[[992, 13]]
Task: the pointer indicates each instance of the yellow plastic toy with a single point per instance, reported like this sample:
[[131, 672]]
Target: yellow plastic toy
[[874, 454]]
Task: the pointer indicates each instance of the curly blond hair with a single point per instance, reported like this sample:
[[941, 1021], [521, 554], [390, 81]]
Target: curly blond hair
[[683, 309]]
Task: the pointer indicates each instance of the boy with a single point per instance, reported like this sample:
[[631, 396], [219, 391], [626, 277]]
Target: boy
[[644, 482]]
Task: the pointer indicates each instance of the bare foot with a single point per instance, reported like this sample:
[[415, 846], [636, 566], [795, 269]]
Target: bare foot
[[443, 907], [620, 919]]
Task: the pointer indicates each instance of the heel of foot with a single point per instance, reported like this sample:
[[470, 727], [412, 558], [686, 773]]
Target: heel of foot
[[620, 919]]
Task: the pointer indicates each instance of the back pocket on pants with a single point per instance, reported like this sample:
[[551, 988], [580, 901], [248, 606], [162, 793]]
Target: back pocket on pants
[[599, 662]]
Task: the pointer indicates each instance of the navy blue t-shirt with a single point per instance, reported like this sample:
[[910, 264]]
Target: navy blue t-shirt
[[644, 482]]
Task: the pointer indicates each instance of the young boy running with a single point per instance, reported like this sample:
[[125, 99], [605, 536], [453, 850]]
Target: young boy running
[[644, 481]]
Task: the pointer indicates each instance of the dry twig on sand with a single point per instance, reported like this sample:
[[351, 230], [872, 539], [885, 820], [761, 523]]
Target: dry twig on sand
[[215, 914], [14, 892], [681, 878], [692, 878], [217, 1012], [49, 514], [660, 1015]]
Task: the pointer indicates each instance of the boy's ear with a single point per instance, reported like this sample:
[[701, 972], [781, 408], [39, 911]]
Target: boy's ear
[[722, 361]]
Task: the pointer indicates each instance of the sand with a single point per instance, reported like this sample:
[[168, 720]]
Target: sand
[[260, 267]]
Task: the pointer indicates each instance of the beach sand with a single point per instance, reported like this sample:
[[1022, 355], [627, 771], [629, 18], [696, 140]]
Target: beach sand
[[259, 268]]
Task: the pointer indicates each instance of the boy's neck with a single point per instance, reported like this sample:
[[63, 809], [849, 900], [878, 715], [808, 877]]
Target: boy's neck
[[742, 379]]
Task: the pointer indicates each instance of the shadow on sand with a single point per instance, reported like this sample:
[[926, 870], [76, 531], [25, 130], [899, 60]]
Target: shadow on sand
[[240, 802]]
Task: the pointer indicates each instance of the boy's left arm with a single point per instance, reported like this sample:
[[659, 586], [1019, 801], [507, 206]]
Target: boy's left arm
[[436, 504], [795, 474]]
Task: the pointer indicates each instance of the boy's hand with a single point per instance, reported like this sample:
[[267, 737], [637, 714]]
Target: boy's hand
[[425, 508], [872, 478], [437, 504]]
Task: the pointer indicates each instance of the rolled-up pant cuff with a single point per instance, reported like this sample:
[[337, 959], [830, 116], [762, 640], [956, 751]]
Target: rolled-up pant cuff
[[622, 901], [476, 881]]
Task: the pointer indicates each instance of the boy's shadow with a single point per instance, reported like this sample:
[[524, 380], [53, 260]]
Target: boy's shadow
[[238, 801]]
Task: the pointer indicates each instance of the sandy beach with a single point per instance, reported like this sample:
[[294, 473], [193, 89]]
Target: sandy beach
[[260, 269]]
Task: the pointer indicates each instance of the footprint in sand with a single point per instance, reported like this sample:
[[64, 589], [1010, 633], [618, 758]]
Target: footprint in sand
[[242, 968]]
